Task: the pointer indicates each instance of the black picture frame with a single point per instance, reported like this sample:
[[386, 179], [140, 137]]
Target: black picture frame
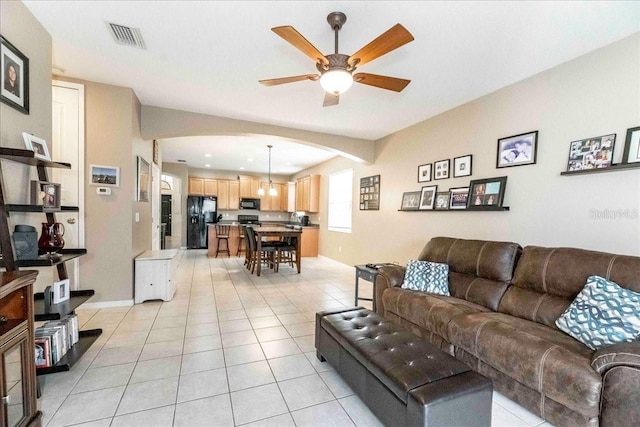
[[591, 153], [458, 198], [632, 146], [442, 201], [424, 173], [462, 166], [370, 193], [441, 169], [14, 77], [517, 150], [486, 194], [410, 201], [428, 197]]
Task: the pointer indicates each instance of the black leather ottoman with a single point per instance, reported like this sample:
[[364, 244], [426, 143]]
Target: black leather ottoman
[[404, 380]]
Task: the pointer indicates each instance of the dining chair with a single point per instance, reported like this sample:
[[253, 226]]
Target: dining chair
[[267, 255]]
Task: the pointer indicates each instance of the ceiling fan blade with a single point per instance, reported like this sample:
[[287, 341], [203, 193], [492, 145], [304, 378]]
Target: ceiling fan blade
[[391, 39], [330, 99], [292, 35], [383, 82], [283, 80]]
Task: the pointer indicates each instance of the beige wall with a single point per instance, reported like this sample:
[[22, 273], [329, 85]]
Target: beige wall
[[594, 95]]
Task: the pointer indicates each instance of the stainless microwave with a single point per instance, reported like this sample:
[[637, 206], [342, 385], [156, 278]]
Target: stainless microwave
[[250, 204]]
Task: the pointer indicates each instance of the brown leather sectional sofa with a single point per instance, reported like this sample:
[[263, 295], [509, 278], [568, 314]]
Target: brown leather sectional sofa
[[500, 320]]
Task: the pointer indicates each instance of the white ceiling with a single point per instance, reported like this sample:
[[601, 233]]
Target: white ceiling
[[207, 56]]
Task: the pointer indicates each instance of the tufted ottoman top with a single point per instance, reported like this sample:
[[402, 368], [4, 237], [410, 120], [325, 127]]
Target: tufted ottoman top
[[398, 358]]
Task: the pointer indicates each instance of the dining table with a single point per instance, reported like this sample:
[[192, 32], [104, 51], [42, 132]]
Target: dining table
[[281, 232]]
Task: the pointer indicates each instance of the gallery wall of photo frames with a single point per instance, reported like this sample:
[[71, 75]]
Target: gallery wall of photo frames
[[370, 193]]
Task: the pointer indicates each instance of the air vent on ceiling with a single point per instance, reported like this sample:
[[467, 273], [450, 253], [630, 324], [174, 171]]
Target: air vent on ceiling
[[127, 35]]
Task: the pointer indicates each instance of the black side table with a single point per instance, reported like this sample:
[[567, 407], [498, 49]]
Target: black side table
[[368, 274]]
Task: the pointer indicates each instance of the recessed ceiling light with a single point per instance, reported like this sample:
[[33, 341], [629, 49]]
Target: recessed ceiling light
[[207, 155], [249, 159], [207, 165]]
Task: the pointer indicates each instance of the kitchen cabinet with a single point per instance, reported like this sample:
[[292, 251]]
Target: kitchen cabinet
[[249, 186], [234, 195], [289, 203], [196, 186], [274, 203], [309, 242], [210, 187], [228, 195], [308, 193]]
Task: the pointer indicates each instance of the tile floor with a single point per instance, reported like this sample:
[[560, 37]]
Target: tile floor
[[229, 349]]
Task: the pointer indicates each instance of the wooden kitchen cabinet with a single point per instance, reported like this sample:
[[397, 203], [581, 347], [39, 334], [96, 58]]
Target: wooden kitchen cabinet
[[274, 203], [234, 195], [249, 186], [210, 187], [196, 186], [308, 193], [309, 242], [223, 195]]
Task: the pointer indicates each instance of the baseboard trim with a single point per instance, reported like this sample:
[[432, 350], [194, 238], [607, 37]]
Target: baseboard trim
[[107, 304]]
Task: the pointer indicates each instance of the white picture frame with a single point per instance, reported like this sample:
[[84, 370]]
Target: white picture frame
[[37, 145], [61, 291], [105, 176]]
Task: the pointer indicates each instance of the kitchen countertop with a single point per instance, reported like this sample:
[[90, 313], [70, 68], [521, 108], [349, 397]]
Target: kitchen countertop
[[267, 223]]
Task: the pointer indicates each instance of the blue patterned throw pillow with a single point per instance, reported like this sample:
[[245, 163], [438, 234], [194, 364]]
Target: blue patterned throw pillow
[[427, 276], [602, 314]]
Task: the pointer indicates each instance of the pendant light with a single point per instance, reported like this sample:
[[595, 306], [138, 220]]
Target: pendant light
[[272, 191]]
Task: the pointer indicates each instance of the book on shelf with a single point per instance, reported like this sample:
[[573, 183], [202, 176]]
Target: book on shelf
[[55, 338]]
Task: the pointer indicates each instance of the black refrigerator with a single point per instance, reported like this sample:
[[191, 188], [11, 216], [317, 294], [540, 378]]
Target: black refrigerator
[[200, 212]]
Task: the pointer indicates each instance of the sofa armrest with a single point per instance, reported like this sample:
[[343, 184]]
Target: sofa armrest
[[389, 276], [619, 366], [623, 354]]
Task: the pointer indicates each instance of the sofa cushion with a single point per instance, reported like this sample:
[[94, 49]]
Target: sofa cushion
[[602, 314], [428, 311], [427, 276], [479, 271], [547, 280], [544, 359]]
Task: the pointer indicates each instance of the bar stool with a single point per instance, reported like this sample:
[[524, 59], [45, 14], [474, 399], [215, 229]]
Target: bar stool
[[241, 240], [222, 233]]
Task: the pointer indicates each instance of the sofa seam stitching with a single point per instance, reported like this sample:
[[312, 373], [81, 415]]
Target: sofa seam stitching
[[610, 267], [449, 251], [615, 358], [541, 371], [537, 307], [544, 270], [466, 294], [475, 341], [478, 260]]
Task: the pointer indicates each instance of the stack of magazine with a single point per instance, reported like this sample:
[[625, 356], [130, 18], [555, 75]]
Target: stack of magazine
[[54, 338]]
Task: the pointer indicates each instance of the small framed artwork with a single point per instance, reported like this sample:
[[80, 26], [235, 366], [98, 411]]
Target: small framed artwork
[[462, 166], [632, 146], [107, 176], [410, 201], [14, 67], [441, 169], [458, 198], [517, 150], [428, 197], [442, 201], [46, 194], [591, 153], [424, 173], [486, 193], [37, 145], [144, 175], [61, 291], [43, 355]]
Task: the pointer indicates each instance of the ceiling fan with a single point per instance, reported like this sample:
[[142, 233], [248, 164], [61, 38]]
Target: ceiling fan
[[336, 70]]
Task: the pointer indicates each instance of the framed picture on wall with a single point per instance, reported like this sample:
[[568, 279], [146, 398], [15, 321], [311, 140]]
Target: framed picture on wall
[[632, 146], [442, 201], [108, 176], [424, 173], [458, 198], [462, 166], [591, 153], [14, 70], [144, 175], [441, 169], [487, 193], [410, 201], [428, 197], [517, 150]]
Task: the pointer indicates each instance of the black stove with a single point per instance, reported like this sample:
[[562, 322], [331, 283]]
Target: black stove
[[249, 219]]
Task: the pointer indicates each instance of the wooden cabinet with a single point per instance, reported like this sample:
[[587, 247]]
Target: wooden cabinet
[[289, 204], [223, 195], [154, 272], [309, 242], [210, 187], [275, 203], [196, 186], [265, 200], [308, 193], [203, 186], [249, 186], [234, 195], [18, 407]]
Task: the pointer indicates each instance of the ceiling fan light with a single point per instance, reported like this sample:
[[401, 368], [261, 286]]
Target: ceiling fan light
[[336, 81]]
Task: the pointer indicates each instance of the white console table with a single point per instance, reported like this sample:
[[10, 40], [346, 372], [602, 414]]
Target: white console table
[[154, 271]]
